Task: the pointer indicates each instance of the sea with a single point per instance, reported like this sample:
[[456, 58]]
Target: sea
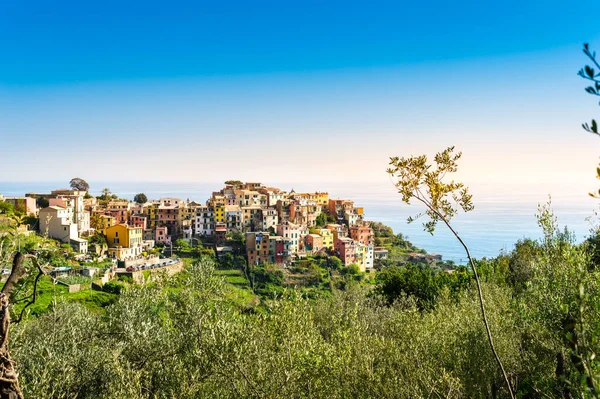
[[500, 217]]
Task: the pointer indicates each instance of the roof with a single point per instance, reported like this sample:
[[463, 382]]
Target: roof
[[128, 227], [55, 207]]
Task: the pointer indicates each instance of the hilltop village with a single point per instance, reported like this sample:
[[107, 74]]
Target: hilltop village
[[277, 227]]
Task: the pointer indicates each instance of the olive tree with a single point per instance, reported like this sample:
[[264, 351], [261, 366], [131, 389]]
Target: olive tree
[[78, 183], [416, 179]]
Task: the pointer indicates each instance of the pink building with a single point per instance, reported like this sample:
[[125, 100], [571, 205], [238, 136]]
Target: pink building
[[26, 205], [362, 234], [138, 221], [346, 249], [161, 235], [292, 232]]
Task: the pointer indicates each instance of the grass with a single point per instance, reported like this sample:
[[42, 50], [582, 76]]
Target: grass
[[105, 264], [95, 301], [242, 297], [229, 272], [49, 293], [237, 280], [233, 276]]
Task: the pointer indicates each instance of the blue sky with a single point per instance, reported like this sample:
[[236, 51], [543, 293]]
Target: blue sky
[[311, 90]]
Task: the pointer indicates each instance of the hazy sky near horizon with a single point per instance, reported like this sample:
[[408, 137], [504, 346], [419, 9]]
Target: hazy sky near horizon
[[299, 91]]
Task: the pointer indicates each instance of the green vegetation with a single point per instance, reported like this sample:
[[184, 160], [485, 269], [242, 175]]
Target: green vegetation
[[421, 283], [51, 294], [354, 342], [323, 219], [77, 183], [140, 198], [6, 208], [331, 328], [417, 180]]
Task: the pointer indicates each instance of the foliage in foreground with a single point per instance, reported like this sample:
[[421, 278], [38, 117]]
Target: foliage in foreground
[[190, 343], [186, 336]]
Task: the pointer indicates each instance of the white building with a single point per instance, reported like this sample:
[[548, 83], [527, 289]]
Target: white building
[[73, 199], [57, 222], [369, 258], [265, 219], [292, 232], [205, 221]]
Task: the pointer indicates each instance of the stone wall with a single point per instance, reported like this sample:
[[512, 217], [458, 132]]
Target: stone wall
[[72, 287], [138, 276], [138, 261]]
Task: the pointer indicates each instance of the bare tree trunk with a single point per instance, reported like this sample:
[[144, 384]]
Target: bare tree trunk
[[9, 383]]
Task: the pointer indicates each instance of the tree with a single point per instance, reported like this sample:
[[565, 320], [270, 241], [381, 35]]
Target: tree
[[140, 198], [21, 286], [394, 281], [42, 202], [335, 263], [416, 179], [182, 244], [593, 75], [105, 196], [95, 221], [78, 183], [6, 208], [321, 220]]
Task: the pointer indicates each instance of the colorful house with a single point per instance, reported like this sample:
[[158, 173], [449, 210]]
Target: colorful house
[[124, 242], [219, 213], [257, 248], [346, 250], [314, 242], [362, 234], [327, 238]]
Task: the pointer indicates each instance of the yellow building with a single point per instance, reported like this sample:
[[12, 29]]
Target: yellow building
[[106, 221], [124, 241], [316, 197], [361, 257], [220, 213], [327, 238], [152, 212], [185, 213], [322, 199]]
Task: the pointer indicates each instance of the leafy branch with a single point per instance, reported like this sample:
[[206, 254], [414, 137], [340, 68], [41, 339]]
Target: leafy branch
[[416, 179], [589, 73]]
